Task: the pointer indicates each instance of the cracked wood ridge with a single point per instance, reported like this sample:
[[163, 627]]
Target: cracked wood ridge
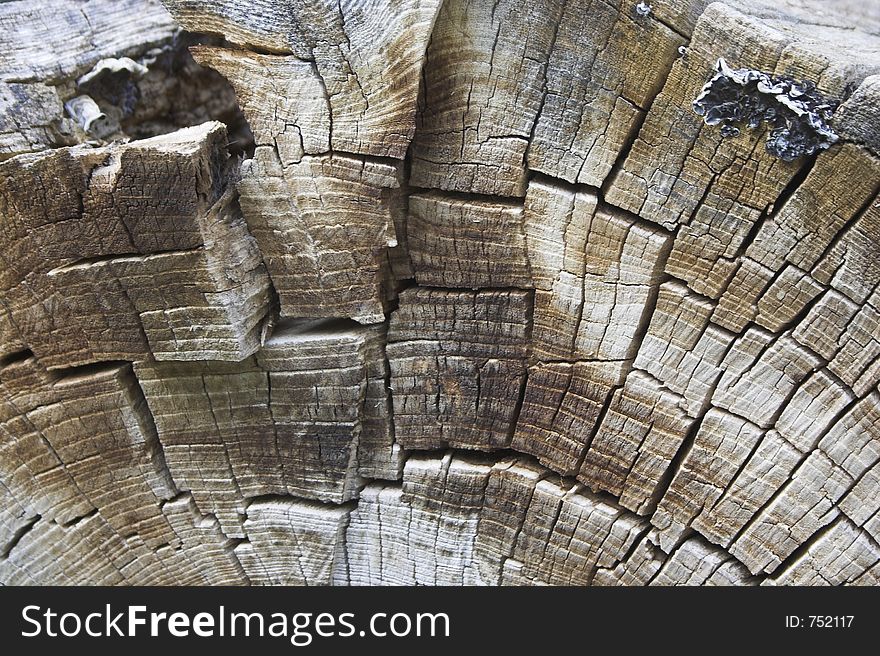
[[435, 292]]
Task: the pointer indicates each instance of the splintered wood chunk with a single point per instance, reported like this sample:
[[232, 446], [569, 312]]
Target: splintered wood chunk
[[173, 306], [324, 226], [293, 542], [457, 366], [561, 409], [633, 448], [467, 243], [79, 203], [595, 272], [365, 58], [130, 252]]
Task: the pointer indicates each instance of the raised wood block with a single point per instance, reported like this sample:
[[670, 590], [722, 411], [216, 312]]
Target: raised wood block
[[190, 305], [457, 367], [130, 252], [456, 242], [289, 422], [324, 226]]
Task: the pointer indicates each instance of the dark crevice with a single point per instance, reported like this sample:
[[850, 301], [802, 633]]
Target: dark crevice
[[675, 465], [288, 498], [471, 196], [18, 356], [18, 535]]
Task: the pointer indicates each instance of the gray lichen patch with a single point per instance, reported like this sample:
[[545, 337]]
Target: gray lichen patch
[[796, 112]]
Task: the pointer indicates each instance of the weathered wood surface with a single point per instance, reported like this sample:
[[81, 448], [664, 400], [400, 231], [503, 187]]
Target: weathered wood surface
[[464, 292]]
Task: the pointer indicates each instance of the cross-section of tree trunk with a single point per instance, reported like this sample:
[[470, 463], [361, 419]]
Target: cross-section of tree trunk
[[444, 292]]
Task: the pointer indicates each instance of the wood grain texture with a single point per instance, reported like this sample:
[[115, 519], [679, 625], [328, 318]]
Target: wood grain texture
[[464, 293]]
